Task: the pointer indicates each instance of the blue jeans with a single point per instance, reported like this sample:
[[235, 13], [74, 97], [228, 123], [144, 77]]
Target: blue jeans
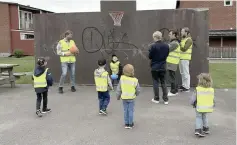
[[128, 106], [201, 120], [71, 67], [104, 99]]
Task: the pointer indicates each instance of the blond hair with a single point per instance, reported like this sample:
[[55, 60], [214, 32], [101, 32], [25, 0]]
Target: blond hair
[[128, 70], [157, 35], [204, 80]]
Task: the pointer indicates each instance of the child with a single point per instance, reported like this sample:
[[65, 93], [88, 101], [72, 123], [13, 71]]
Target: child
[[102, 80], [115, 68], [42, 80], [127, 89], [203, 101]]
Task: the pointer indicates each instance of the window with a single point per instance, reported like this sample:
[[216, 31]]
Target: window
[[26, 20], [27, 36], [228, 2]]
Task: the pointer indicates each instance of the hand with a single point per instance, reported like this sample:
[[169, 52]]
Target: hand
[[68, 54]]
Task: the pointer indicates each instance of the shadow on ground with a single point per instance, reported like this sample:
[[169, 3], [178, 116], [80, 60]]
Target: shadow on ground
[[74, 120]]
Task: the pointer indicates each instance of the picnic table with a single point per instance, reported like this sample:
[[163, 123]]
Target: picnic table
[[10, 76]]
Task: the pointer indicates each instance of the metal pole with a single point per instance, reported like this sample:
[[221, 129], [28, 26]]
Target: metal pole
[[221, 47]]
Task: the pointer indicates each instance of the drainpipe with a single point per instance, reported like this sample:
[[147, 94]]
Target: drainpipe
[[221, 47]]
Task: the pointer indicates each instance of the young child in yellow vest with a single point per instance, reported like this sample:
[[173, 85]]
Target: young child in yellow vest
[[42, 80], [115, 68], [102, 82], [203, 101], [127, 89]]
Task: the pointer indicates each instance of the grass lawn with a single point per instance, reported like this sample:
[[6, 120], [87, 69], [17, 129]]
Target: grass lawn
[[26, 65], [223, 74]]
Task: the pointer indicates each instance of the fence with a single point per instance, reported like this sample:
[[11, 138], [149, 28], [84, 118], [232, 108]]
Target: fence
[[222, 52]]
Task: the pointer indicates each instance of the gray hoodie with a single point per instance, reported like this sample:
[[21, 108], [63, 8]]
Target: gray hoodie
[[99, 71]]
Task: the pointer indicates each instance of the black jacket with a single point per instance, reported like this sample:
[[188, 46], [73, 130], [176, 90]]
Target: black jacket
[[39, 71], [158, 53]]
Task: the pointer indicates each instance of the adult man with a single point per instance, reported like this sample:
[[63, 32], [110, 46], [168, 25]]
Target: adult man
[[173, 61], [67, 60], [185, 57], [158, 54]]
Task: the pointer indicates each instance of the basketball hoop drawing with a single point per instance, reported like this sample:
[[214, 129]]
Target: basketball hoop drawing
[[117, 17]]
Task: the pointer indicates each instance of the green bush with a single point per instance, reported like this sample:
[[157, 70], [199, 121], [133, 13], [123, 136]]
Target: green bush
[[18, 53]]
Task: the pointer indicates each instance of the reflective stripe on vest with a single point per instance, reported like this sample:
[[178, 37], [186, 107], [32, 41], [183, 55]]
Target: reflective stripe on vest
[[65, 48], [128, 86], [40, 81], [187, 55], [101, 81], [114, 67], [174, 56], [205, 99]]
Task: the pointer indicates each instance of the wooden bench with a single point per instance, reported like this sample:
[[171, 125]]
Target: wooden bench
[[16, 75]]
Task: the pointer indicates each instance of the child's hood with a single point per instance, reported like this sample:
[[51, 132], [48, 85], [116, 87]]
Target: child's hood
[[99, 71], [39, 71]]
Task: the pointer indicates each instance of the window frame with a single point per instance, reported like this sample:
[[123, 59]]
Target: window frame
[[231, 3]]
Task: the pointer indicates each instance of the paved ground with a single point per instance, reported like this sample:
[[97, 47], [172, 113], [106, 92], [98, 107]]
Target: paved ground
[[74, 120]]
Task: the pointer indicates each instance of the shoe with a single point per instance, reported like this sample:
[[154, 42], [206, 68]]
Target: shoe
[[206, 130], [171, 94], [131, 125], [166, 103], [38, 113], [185, 90], [60, 90], [100, 112], [199, 132], [46, 110], [103, 111], [73, 89], [155, 101], [181, 88], [127, 126]]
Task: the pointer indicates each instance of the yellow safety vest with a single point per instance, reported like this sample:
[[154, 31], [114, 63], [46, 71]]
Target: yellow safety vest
[[66, 48], [128, 86], [205, 99], [101, 82], [40, 81], [114, 67], [174, 56], [187, 55]]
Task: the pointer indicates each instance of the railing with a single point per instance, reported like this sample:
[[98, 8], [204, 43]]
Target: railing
[[222, 52]]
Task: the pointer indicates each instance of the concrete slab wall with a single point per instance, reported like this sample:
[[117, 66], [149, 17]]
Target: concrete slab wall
[[96, 37]]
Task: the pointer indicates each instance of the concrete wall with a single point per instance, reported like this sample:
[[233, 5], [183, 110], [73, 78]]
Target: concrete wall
[[96, 37]]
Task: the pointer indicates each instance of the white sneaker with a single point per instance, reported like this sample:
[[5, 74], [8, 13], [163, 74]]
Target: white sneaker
[[154, 101], [171, 94], [166, 103]]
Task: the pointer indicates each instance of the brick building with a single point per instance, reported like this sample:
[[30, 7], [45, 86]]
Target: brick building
[[16, 28], [222, 25]]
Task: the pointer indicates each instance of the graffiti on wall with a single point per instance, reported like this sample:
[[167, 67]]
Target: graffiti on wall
[[111, 41]]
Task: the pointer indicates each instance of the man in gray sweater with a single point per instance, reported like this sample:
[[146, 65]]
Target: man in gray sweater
[[173, 61]]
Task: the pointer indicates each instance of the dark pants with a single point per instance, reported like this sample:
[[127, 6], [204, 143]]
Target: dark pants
[[39, 98], [159, 76], [104, 99], [173, 81]]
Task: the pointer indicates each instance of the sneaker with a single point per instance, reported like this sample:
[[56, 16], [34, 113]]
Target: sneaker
[[103, 111], [166, 103], [127, 126], [185, 90], [100, 112], [206, 130], [131, 125], [155, 101], [181, 88], [171, 94], [60, 90], [73, 89], [46, 110], [38, 113], [199, 132]]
